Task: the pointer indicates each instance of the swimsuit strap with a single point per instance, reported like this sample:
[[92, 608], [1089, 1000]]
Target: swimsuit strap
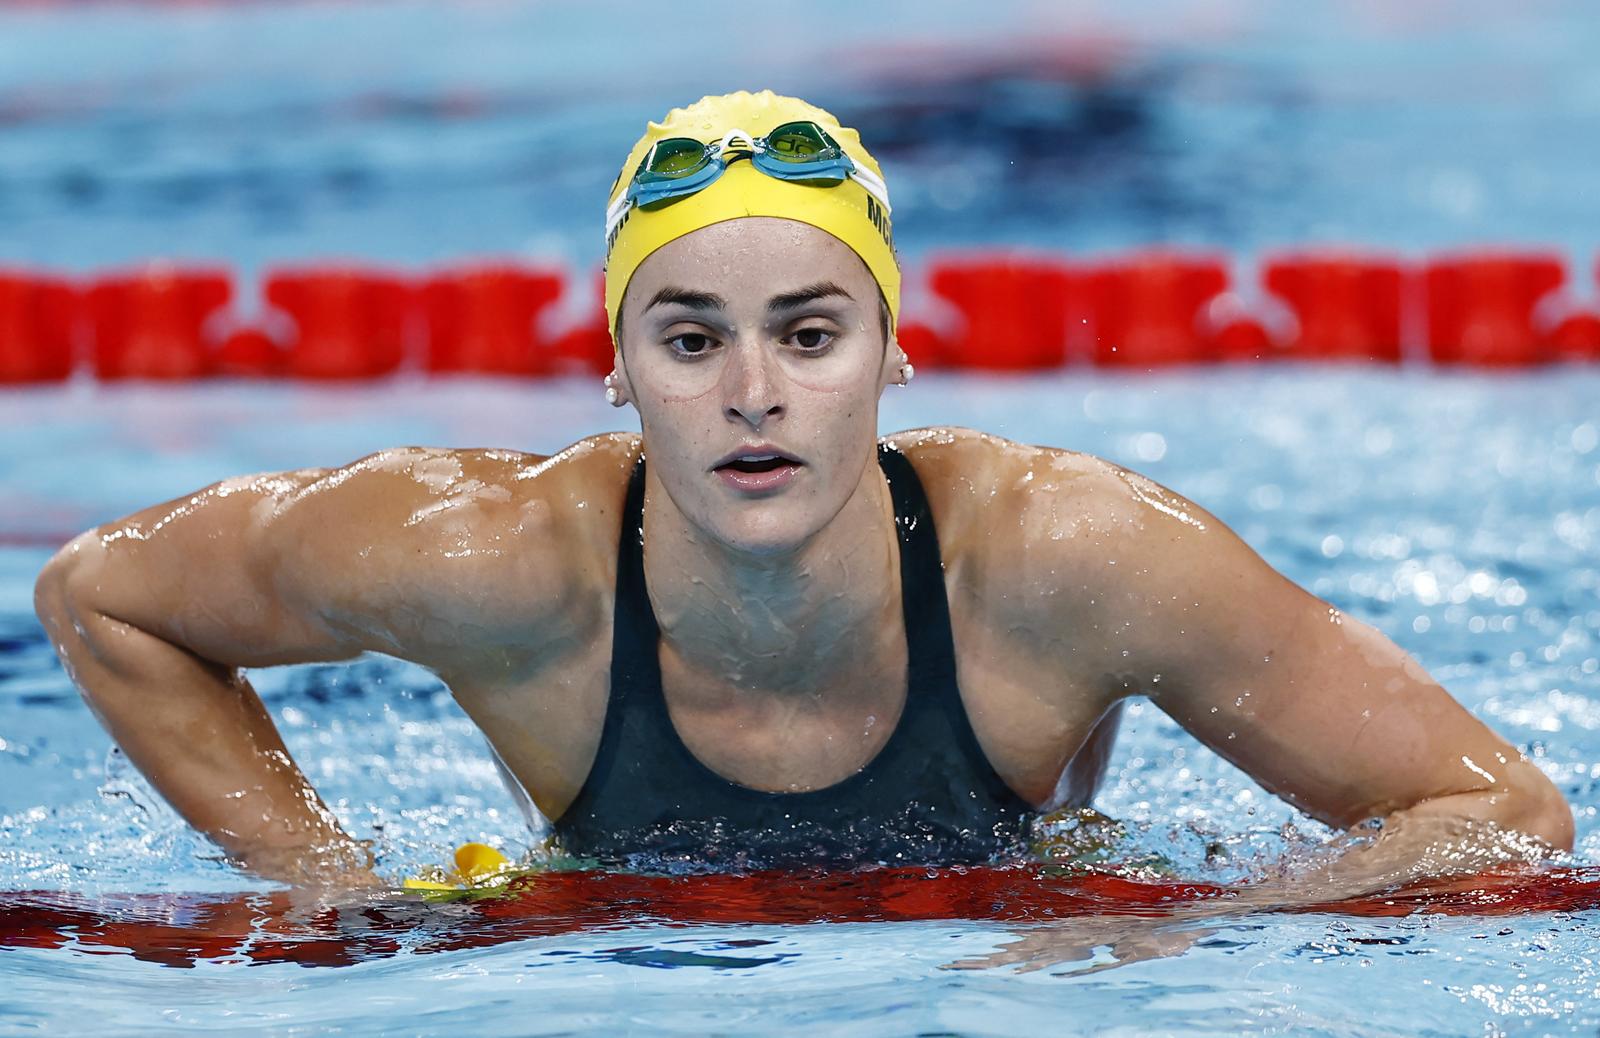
[[930, 643], [930, 639], [635, 662]]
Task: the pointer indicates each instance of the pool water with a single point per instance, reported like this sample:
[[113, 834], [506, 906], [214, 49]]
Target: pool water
[[418, 131], [1458, 513]]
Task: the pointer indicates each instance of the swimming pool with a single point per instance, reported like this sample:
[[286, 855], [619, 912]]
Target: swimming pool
[[1458, 513]]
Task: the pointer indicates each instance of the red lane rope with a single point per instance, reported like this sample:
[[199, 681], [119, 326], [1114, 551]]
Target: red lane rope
[[183, 929], [992, 310]]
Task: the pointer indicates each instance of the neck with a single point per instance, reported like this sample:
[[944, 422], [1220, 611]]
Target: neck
[[782, 622]]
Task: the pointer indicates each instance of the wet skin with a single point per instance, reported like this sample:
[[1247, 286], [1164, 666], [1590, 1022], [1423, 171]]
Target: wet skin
[[1073, 585]]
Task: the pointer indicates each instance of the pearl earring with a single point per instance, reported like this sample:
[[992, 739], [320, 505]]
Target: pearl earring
[[612, 396], [907, 372]]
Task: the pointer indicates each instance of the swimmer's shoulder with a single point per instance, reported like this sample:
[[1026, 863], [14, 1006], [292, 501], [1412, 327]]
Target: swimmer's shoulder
[[1008, 511], [582, 488], [560, 509], [582, 480], [496, 539], [971, 475], [495, 492]]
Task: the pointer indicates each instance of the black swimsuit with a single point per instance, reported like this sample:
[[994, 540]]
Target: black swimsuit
[[929, 796]]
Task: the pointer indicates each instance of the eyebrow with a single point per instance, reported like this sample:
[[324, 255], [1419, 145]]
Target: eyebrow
[[686, 297], [801, 296], [704, 301]]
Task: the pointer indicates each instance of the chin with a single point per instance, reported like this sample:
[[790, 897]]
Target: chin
[[764, 532]]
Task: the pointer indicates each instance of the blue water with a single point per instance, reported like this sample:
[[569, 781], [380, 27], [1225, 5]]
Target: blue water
[[417, 131], [1459, 513]]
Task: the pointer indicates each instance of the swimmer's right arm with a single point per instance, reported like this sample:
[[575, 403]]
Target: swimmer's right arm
[[405, 552]]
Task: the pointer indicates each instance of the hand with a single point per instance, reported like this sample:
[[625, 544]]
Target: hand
[[340, 865]]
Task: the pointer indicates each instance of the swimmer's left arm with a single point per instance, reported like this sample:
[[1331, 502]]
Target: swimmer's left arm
[[1317, 706]]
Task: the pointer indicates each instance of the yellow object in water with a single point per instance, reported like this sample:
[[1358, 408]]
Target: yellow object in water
[[477, 864]]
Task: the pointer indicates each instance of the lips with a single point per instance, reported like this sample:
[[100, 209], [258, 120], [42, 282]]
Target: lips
[[757, 468]]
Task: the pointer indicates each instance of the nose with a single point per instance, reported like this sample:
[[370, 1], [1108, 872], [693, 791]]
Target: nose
[[752, 386]]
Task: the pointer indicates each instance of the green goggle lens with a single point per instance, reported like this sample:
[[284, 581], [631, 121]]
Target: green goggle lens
[[676, 157], [676, 167], [799, 142]]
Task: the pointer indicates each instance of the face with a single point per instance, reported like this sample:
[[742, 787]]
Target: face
[[746, 339]]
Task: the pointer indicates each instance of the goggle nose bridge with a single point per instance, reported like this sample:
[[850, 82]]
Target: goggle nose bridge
[[736, 134]]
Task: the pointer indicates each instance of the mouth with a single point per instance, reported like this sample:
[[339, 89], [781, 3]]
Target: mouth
[[757, 469]]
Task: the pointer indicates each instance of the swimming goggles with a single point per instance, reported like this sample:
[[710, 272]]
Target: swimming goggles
[[676, 167]]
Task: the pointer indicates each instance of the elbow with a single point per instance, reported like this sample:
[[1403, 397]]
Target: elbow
[[61, 586], [1527, 805], [1547, 815], [1532, 805], [50, 587]]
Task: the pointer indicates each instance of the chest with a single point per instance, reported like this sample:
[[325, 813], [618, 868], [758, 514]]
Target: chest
[[1031, 715]]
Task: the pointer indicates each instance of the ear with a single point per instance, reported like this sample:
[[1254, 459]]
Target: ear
[[894, 361], [618, 380]]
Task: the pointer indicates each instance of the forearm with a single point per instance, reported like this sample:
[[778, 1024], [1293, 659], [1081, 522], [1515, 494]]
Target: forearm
[[1452, 835], [1531, 806], [200, 734]]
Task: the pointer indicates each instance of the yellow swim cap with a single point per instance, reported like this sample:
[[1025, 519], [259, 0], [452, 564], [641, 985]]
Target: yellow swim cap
[[845, 210]]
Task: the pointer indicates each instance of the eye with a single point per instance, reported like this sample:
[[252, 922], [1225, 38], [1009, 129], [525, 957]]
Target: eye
[[690, 344], [813, 340]]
